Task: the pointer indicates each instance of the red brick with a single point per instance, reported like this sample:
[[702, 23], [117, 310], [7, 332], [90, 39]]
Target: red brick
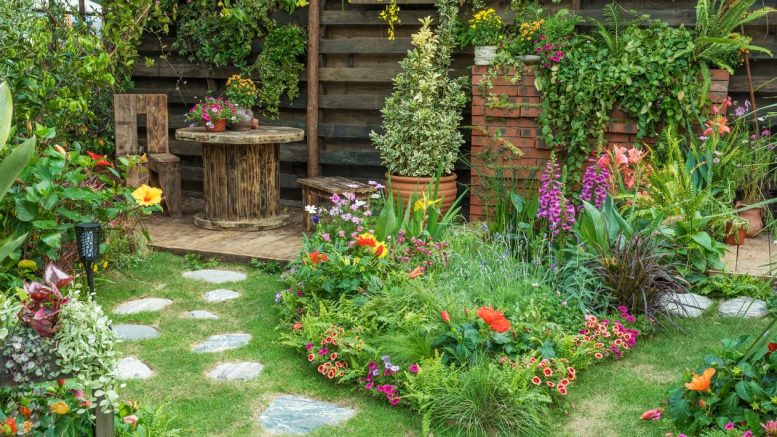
[[619, 115], [502, 112], [530, 112], [617, 137], [618, 127], [479, 69], [529, 91], [719, 86], [529, 132], [508, 90], [529, 99], [718, 97], [478, 110], [719, 74]]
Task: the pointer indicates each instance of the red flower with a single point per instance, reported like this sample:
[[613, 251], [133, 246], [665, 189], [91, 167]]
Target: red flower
[[25, 411], [11, 423], [99, 161], [316, 257], [536, 380], [493, 318], [772, 347], [445, 317], [654, 414]]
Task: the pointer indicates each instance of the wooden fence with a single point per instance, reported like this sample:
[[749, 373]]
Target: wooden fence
[[357, 64]]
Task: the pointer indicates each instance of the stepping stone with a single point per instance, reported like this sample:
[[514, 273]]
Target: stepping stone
[[289, 414], [685, 304], [201, 314], [142, 305], [743, 306], [135, 332], [215, 276], [236, 371], [133, 368], [222, 342], [220, 295]]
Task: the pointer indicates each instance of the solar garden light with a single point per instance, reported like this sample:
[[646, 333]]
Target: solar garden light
[[88, 241]]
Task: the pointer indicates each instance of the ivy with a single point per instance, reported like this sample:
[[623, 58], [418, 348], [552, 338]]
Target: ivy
[[279, 67], [648, 73]]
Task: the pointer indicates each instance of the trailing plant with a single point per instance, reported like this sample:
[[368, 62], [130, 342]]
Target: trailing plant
[[279, 67], [422, 116]]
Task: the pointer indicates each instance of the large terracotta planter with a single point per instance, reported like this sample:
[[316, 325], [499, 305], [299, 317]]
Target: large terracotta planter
[[405, 186], [754, 221]]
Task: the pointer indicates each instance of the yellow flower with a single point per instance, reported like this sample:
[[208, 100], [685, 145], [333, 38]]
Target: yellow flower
[[147, 196], [60, 408], [27, 426], [380, 249], [28, 264], [424, 203]]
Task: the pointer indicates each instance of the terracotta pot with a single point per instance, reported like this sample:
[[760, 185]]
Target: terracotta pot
[[405, 186], [754, 221], [218, 126], [735, 238]]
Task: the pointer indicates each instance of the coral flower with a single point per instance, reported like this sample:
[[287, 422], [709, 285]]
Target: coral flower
[[770, 428], [416, 272], [366, 239], [316, 257], [493, 318], [536, 380], [445, 316], [562, 390], [380, 249], [99, 161], [620, 155], [147, 196], [131, 420], [654, 414], [11, 424], [60, 408], [297, 326], [701, 383]]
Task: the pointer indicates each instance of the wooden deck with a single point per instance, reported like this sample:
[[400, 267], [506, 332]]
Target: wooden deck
[[181, 237], [755, 257]]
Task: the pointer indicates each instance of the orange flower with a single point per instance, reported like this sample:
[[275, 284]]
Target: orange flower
[[445, 316], [418, 271], [366, 239], [701, 383], [316, 257], [493, 318], [10, 424], [147, 196], [99, 161], [25, 411]]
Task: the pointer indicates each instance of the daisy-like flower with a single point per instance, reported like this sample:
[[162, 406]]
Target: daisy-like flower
[[536, 380], [547, 371], [311, 209], [550, 384], [598, 355]]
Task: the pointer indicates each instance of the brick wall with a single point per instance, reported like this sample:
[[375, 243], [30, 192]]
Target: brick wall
[[509, 121]]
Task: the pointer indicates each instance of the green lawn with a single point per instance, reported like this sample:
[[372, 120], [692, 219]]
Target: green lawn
[[201, 406], [606, 400]]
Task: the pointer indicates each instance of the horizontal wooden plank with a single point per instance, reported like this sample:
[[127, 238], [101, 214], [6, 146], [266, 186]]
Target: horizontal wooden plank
[[383, 74], [384, 2], [365, 45], [352, 101], [350, 17]]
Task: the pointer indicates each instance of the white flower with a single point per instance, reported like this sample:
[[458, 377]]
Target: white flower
[[359, 203], [375, 196], [311, 209], [535, 285]]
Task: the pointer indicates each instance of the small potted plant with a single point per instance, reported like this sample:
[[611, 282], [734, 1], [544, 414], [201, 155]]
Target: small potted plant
[[735, 231], [422, 116], [242, 92], [213, 113], [484, 31]]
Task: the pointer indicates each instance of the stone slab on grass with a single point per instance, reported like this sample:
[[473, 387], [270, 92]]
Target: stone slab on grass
[[222, 342], [220, 295], [215, 276], [685, 304], [135, 332], [288, 414], [743, 306], [201, 314], [241, 371], [142, 305], [133, 368]]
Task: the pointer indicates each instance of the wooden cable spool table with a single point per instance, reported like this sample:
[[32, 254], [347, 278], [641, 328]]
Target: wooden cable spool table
[[241, 181]]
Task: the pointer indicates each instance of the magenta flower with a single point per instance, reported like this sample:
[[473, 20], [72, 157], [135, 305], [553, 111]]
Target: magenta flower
[[729, 426], [413, 368], [323, 351], [309, 346]]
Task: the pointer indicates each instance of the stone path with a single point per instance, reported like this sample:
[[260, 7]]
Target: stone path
[[142, 305], [288, 414], [222, 342], [236, 371], [201, 314], [133, 368], [743, 307], [685, 304], [215, 276], [135, 332], [220, 295]]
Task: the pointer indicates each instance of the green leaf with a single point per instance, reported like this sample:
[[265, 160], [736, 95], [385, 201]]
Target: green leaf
[[10, 244], [6, 113], [703, 239], [25, 210], [14, 163], [741, 389]]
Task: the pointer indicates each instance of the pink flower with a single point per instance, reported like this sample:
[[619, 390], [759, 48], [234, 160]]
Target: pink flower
[[413, 368], [747, 433], [394, 401], [369, 385], [729, 426], [309, 346], [653, 414], [620, 155], [132, 420]]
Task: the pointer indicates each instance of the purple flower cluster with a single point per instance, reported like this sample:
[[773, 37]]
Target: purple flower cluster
[[596, 183], [392, 395], [550, 52], [554, 207], [421, 251]]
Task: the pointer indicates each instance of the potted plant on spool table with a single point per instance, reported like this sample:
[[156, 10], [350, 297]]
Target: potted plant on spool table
[[213, 113], [421, 118], [484, 31], [241, 91]]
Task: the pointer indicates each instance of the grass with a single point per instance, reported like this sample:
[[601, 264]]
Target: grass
[[609, 399], [203, 407], [606, 399]]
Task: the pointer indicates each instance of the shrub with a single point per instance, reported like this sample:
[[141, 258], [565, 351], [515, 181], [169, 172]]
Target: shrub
[[421, 118]]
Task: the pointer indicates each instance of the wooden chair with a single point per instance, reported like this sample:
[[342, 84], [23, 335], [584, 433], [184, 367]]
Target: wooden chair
[[162, 165], [318, 189]]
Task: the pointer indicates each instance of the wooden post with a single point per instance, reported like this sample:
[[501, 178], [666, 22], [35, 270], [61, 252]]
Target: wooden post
[[314, 18]]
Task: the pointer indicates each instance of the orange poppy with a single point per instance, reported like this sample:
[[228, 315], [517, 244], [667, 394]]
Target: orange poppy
[[418, 271], [701, 383], [493, 318], [445, 317], [316, 257]]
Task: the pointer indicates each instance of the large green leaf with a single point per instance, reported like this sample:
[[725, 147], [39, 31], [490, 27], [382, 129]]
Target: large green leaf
[[14, 163], [6, 113], [10, 244]]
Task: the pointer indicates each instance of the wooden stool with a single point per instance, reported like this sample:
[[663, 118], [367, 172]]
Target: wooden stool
[[322, 187], [163, 173]]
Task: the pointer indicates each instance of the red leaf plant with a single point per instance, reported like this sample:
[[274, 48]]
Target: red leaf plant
[[45, 301]]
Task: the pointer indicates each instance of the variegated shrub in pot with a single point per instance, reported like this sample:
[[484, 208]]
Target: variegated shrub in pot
[[421, 118]]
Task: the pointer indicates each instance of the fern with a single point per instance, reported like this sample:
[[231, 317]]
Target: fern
[[611, 32]]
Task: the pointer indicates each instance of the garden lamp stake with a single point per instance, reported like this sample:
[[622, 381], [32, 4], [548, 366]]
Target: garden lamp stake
[[88, 241]]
